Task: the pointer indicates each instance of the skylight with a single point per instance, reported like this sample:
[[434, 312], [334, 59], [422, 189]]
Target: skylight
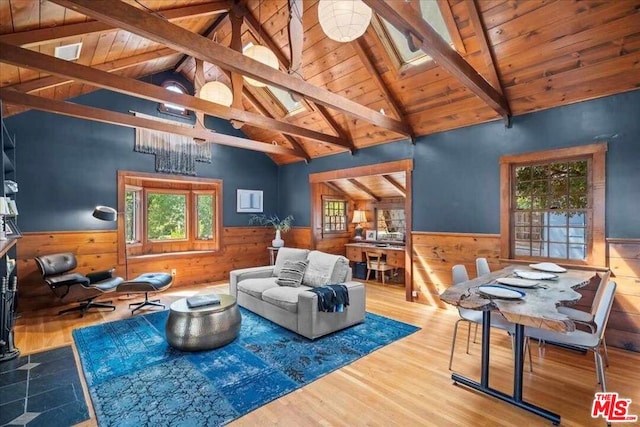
[[291, 105], [431, 13]]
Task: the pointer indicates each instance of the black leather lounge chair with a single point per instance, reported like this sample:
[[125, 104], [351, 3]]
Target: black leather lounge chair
[[69, 286]]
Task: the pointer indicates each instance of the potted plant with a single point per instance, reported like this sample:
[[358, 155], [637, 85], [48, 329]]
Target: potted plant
[[280, 225]]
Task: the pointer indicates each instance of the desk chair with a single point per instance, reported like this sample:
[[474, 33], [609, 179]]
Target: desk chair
[[69, 286], [585, 340], [377, 263]]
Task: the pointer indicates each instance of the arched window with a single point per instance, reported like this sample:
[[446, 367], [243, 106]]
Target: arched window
[[176, 87]]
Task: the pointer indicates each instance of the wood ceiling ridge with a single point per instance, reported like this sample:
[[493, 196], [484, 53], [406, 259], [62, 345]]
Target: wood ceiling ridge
[[154, 28]]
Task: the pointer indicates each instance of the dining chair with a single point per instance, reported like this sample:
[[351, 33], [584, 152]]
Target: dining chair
[[377, 263], [584, 340], [482, 266], [459, 275], [587, 317]]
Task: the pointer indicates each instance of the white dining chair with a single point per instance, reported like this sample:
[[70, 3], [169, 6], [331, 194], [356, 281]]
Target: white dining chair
[[459, 275], [587, 317], [584, 340], [482, 266]]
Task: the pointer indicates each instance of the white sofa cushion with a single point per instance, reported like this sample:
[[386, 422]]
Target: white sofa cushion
[[284, 297], [325, 269], [288, 254], [256, 287]]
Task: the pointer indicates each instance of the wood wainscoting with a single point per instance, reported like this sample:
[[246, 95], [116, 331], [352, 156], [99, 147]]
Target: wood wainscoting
[[435, 253], [97, 250]]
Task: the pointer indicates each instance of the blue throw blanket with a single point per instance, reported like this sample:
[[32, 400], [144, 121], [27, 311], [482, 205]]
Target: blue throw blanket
[[332, 298]]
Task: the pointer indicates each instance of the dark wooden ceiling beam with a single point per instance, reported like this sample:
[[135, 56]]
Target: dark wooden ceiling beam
[[359, 46], [402, 16], [96, 114], [285, 64], [364, 188], [54, 34], [334, 187], [110, 67], [297, 147], [154, 28], [208, 34], [487, 52], [26, 58], [396, 184]]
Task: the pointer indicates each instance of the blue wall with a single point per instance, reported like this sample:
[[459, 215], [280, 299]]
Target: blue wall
[[67, 166], [456, 180]]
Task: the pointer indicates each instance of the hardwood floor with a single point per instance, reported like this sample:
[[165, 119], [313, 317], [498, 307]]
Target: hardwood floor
[[406, 383]]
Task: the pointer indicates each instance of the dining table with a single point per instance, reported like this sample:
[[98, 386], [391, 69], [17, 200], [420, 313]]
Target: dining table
[[534, 304]]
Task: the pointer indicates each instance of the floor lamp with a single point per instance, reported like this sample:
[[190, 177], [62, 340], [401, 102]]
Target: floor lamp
[[106, 213]]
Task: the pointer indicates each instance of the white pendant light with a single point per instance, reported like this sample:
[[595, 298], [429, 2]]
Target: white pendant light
[[217, 92], [344, 20], [263, 55]]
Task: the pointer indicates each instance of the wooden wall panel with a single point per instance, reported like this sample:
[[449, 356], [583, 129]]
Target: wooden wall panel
[[97, 250], [298, 237], [435, 253], [624, 262]]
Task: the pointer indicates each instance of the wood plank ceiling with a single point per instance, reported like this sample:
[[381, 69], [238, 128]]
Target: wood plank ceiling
[[530, 55]]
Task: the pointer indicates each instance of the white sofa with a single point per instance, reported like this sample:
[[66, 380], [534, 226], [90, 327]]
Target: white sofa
[[295, 308]]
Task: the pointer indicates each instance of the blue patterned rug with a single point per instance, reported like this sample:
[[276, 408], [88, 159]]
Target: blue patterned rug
[[135, 378]]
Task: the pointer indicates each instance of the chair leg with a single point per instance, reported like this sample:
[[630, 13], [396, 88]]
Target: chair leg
[[527, 348], [453, 343], [475, 334], [600, 370], [382, 272], [146, 302], [469, 336], [606, 352], [368, 274], [86, 305]]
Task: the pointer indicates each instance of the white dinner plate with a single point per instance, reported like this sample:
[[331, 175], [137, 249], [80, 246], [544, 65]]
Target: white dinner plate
[[493, 291], [548, 267], [519, 283], [534, 275]]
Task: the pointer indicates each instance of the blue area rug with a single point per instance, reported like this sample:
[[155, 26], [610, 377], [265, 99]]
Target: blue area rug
[[135, 378]]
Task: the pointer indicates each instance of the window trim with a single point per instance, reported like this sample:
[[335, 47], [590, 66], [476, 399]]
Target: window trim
[[166, 248], [194, 212], [596, 241], [138, 227]]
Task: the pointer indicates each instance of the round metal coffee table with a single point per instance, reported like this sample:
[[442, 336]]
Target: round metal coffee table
[[203, 328]]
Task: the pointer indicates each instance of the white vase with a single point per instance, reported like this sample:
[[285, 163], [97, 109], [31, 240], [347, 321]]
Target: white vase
[[277, 242]]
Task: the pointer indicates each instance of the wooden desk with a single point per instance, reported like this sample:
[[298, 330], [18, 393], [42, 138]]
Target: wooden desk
[[393, 254], [538, 309]]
